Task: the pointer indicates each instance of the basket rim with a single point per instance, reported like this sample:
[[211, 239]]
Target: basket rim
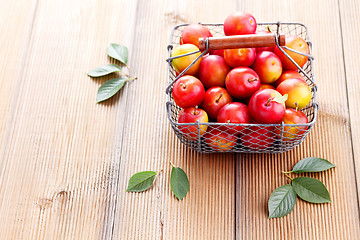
[[260, 23]]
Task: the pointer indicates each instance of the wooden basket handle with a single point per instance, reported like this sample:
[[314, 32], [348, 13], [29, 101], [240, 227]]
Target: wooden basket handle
[[242, 41]]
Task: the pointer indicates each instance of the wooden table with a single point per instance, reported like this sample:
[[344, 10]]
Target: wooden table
[[65, 161]]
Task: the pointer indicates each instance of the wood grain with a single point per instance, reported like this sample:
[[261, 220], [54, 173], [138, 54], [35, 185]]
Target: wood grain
[[15, 38], [350, 25], [258, 175], [65, 160], [58, 179], [207, 212]]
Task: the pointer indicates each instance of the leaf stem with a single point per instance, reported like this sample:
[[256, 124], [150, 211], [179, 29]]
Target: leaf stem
[[288, 176], [127, 75], [130, 79], [128, 67], [159, 171], [172, 164], [286, 172]]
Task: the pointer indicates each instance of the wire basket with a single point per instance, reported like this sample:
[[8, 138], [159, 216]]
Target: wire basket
[[250, 138]]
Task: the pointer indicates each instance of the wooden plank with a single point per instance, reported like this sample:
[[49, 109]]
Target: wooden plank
[[15, 36], [207, 212], [258, 175], [350, 25], [60, 170]]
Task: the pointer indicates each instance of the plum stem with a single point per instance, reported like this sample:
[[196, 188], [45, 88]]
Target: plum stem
[[297, 106], [252, 80], [183, 85], [196, 108], [268, 28], [217, 100], [268, 102]]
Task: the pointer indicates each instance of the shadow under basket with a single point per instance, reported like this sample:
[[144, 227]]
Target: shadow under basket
[[250, 138]]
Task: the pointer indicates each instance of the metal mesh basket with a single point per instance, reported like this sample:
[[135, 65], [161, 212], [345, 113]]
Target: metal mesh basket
[[245, 138]]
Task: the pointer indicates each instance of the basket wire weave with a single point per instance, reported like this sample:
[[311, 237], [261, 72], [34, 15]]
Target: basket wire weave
[[256, 138]]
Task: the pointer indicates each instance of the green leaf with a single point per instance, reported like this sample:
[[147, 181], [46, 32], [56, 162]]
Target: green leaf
[[280, 98], [110, 88], [141, 181], [312, 164], [281, 201], [104, 70], [311, 190], [119, 52], [179, 182]]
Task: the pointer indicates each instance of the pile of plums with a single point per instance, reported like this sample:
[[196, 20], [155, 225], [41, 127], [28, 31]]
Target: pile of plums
[[247, 85]]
